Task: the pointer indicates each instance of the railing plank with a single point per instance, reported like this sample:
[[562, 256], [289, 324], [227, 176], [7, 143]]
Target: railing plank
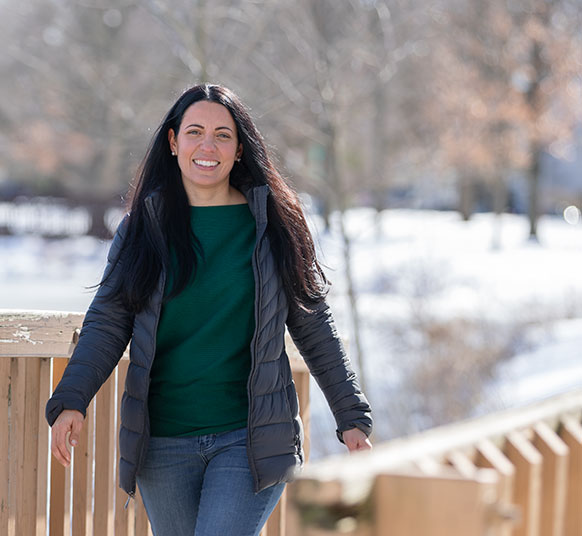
[[122, 514], [302, 382], [42, 451], [67, 521], [429, 465], [571, 434], [528, 482], [28, 495], [83, 477], [131, 517], [104, 452], [408, 505], [554, 479], [488, 455], [275, 526], [142, 525], [17, 438], [38, 333], [4, 443], [462, 463], [58, 480]]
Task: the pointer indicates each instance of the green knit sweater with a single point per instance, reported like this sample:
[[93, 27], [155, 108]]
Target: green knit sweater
[[200, 372]]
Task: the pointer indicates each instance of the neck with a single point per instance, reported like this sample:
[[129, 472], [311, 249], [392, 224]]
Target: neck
[[215, 197]]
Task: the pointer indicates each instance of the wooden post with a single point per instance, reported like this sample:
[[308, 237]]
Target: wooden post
[[16, 523], [68, 514], [302, 383], [4, 442], [277, 520], [28, 489], [122, 515], [571, 434], [104, 452], [57, 505], [554, 479], [462, 463], [142, 525], [408, 505], [528, 482], [488, 455], [83, 477], [43, 452]]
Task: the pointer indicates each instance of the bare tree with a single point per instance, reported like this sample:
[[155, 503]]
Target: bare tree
[[90, 77], [504, 69]]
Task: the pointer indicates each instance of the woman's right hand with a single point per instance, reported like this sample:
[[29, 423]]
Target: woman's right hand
[[67, 427]]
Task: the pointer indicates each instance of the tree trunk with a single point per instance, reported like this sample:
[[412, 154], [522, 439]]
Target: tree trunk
[[466, 196], [336, 185], [534, 187], [499, 207], [380, 146], [352, 298]]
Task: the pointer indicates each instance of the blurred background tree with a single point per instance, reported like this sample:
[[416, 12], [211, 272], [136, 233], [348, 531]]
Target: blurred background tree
[[378, 102]]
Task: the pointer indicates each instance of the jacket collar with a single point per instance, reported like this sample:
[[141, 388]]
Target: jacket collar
[[257, 200]]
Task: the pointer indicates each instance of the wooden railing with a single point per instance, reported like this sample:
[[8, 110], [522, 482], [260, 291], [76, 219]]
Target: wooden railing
[[513, 473], [36, 493]]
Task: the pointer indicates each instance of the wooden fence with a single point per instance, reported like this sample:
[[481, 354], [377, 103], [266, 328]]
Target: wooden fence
[[37, 495], [513, 473]]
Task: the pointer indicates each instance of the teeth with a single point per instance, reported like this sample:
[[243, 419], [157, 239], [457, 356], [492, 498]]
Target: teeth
[[206, 163]]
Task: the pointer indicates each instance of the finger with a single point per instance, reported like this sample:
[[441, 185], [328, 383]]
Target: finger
[[359, 444], [75, 432], [57, 453], [352, 445], [59, 446], [63, 453], [364, 445]]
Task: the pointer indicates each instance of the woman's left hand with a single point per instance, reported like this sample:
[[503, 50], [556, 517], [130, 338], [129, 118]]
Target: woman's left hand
[[355, 440]]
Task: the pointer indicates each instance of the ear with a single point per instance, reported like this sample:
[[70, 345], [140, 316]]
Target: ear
[[172, 141], [239, 151]]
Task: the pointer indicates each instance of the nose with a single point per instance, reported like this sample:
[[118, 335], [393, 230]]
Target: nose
[[207, 143]]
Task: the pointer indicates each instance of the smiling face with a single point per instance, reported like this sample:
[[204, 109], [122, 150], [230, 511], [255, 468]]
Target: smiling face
[[206, 146]]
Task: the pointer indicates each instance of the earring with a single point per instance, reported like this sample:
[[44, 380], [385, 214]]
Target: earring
[[238, 159], [173, 153]]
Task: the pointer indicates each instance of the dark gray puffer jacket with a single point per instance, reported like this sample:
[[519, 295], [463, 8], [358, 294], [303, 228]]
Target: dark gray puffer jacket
[[275, 432]]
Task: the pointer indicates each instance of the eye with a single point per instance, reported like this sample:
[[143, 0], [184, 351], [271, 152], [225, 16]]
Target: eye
[[194, 131], [224, 135]]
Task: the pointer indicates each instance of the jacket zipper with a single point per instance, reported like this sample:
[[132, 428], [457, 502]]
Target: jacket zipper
[[255, 347], [129, 497]]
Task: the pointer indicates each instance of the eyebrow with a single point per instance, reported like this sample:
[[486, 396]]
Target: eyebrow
[[202, 127]]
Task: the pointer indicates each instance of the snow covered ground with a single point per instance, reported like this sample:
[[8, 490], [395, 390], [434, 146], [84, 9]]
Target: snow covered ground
[[407, 264], [432, 264]]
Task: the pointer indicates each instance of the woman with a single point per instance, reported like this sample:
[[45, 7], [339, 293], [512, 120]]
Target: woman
[[204, 273]]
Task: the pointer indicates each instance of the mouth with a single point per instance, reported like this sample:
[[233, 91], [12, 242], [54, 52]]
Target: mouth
[[206, 164]]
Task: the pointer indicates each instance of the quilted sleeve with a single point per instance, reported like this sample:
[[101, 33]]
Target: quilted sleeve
[[107, 329], [316, 338]]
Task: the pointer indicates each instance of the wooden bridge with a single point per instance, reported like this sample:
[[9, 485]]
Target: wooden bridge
[[516, 473]]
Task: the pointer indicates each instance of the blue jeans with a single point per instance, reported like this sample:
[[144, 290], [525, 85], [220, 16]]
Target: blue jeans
[[202, 486]]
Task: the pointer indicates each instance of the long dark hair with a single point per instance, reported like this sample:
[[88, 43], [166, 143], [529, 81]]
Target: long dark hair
[[145, 254]]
